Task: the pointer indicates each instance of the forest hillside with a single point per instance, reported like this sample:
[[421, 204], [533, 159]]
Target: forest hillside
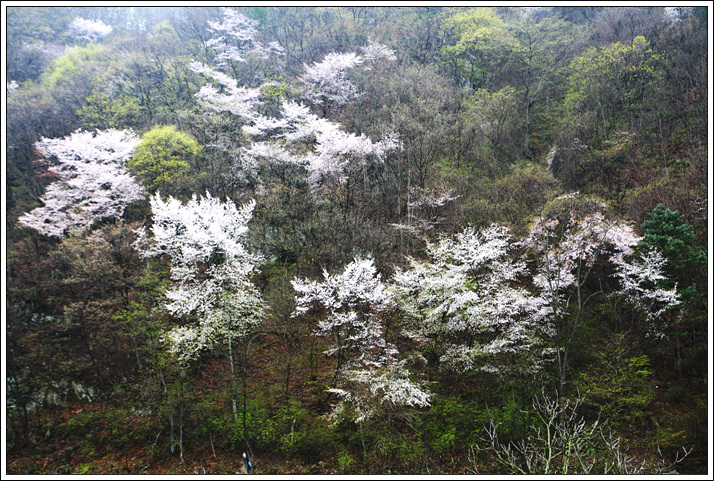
[[356, 240]]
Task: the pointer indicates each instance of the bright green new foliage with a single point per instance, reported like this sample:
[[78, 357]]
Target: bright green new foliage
[[162, 158], [479, 41], [71, 64], [613, 83]]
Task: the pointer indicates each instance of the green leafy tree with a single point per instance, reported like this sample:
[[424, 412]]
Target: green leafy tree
[[609, 86], [210, 268], [619, 383], [542, 48], [144, 81], [496, 123], [66, 68], [162, 159], [668, 232], [673, 237], [479, 43]]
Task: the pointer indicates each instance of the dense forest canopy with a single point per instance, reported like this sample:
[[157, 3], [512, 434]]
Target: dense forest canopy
[[356, 239]]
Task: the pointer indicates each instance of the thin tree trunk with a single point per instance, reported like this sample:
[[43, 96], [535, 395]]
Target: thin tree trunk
[[426, 424], [136, 352], [288, 368], [233, 380], [210, 436], [361, 437], [679, 355], [246, 347], [168, 405], [181, 423]]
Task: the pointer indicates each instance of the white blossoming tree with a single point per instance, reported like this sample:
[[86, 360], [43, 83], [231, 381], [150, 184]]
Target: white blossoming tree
[[240, 101], [380, 393], [368, 375], [236, 40], [376, 53], [327, 83], [353, 302], [569, 243], [92, 181], [335, 152], [641, 283], [210, 269], [465, 305], [238, 51], [11, 86], [91, 30]]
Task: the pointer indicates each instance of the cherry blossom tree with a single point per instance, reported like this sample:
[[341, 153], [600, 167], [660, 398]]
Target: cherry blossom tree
[[92, 184], [235, 43], [641, 283], [425, 209], [239, 101], [236, 39], [644, 284], [568, 242], [91, 30], [465, 305], [354, 301], [210, 269], [335, 150], [379, 393], [370, 391], [327, 83], [368, 377], [295, 123], [376, 53], [239, 53], [12, 86]]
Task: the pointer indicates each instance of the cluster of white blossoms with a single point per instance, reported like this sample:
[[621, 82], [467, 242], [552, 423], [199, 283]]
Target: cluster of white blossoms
[[569, 246], [370, 392], [236, 39], [210, 268], [12, 86], [641, 281], [92, 183], [92, 30], [334, 150], [327, 80], [239, 101], [469, 294], [354, 302]]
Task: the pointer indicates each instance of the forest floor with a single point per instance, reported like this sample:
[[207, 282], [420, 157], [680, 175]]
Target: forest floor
[[70, 455], [65, 454], [50, 456], [99, 438]]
